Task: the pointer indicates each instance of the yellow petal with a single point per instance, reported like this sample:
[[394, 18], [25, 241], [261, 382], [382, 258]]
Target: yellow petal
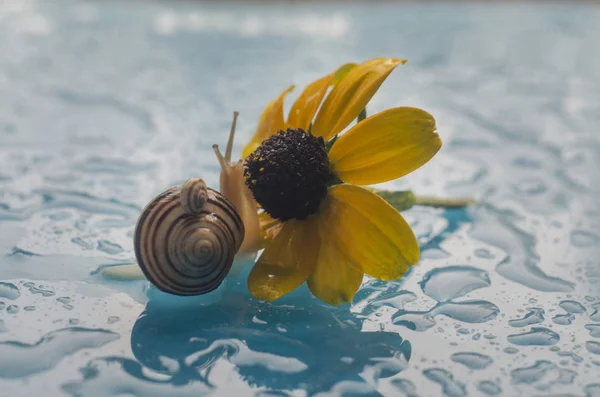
[[342, 72], [251, 147], [370, 232], [336, 277], [304, 108], [270, 122], [385, 146], [351, 95], [287, 261], [269, 227]]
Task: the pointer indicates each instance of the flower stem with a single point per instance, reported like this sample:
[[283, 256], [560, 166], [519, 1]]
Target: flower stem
[[362, 115], [404, 200], [455, 202]]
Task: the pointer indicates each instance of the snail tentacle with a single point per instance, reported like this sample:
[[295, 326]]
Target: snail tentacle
[[233, 186], [190, 237]]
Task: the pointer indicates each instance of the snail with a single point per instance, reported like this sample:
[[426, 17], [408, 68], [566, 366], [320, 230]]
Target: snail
[[189, 238]]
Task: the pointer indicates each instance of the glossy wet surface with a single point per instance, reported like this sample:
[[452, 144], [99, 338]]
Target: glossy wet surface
[[103, 105]]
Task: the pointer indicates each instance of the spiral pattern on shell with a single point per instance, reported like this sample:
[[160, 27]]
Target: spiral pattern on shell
[[194, 194], [186, 239]]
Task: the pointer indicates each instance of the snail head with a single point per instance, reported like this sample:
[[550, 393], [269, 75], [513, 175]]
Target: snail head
[[233, 187]]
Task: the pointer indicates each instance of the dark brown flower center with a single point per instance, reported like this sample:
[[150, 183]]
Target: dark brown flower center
[[288, 174]]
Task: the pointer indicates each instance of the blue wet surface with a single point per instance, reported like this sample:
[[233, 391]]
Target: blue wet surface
[[105, 104]]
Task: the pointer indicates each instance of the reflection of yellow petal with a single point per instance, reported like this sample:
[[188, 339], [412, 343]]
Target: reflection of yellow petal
[[385, 146], [270, 122], [287, 261], [269, 227], [336, 277], [370, 232], [351, 95], [305, 107]]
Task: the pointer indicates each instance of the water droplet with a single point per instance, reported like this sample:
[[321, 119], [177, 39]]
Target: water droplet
[[532, 301], [572, 307], [535, 337], [463, 331], [592, 390], [416, 321], [450, 387], [521, 266], [572, 355], [112, 319], [59, 216], [12, 309], [582, 238], [108, 247], [540, 371], [257, 320], [9, 291], [29, 308], [595, 316], [398, 301], [593, 347], [530, 187], [82, 243], [476, 336], [244, 356], [40, 289], [534, 315], [563, 319], [406, 387], [434, 253], [489, 388], [483, 253], [169, 364], [3, 326], [390, 296], [468, 312], [510, 350], [66, 302], [472, 360], [594, 330], [454, 281], [28, 359], [566, 376]]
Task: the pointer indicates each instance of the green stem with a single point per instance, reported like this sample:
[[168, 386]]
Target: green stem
[[404, 200], [455, 202], [362, 115], [330, 143]]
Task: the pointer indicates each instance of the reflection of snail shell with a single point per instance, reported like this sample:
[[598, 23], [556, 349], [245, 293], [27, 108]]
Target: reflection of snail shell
[[186, 239]]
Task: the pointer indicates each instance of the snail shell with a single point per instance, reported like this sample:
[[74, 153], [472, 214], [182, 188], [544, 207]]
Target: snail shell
[[186, 239]]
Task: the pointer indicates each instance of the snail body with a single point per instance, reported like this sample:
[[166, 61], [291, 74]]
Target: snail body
[[189, 238]]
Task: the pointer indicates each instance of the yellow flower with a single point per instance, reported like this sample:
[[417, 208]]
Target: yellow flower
[[318, 226]]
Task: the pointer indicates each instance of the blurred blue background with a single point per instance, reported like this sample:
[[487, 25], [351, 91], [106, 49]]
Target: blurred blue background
[[105, 104]]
